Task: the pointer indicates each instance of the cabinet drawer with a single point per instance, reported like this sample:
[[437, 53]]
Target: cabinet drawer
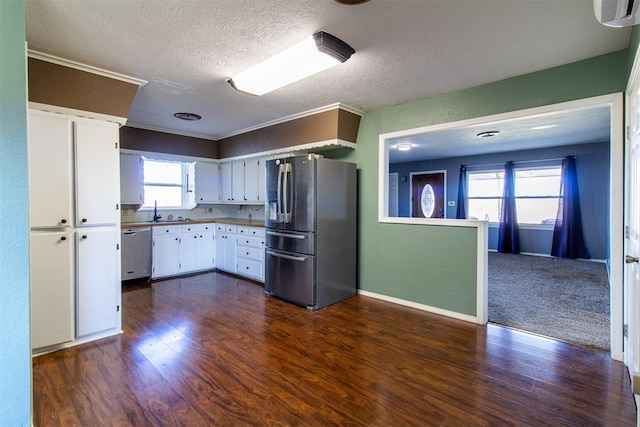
[[250, 268], [192, 228], [231, 229], [203, 228], [251, 231], [250, 241], [250, 252], [170, 229]]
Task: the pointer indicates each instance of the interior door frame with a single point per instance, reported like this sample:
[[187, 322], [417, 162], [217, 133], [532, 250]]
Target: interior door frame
[[615, 103], [444, 189]]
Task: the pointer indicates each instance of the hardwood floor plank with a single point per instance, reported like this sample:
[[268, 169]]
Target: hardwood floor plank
[[212, 349]]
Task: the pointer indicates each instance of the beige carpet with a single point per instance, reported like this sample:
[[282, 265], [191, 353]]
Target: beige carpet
[[555, 297]]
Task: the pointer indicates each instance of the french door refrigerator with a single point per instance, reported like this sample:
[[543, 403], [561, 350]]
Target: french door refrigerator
[[310, 220]]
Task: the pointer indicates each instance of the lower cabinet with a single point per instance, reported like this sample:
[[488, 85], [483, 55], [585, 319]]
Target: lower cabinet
[[226, 247], [75, 284], [250, 252], [52, 288], [166, 251], [181, 249], [98, 280]]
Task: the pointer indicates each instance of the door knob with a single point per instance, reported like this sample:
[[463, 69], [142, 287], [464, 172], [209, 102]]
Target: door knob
[[630, 259]]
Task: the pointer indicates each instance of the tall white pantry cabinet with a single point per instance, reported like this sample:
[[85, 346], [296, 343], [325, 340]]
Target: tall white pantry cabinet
[[74, 193]]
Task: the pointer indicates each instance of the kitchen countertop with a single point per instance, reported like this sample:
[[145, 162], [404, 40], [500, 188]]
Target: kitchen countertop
[[234, 221]]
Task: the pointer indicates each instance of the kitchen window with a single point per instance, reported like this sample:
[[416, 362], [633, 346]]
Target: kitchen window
[[168, 183], [537, 194]]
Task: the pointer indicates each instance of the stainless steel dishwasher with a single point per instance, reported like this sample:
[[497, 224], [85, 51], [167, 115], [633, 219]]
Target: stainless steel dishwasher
[[136, 253]]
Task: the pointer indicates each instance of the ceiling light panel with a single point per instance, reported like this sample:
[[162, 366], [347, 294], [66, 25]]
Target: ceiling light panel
[[314, 54]]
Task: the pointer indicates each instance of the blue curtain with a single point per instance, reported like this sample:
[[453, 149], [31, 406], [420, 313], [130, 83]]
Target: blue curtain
[[568, 241], [508, 236], [461, 209]]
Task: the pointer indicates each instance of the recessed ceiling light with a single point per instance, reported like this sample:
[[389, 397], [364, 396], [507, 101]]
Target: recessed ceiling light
[[488, 134], [542, 127], [187, 116], [404, 146]]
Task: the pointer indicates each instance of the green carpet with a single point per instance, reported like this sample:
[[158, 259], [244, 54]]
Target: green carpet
[[555, 297]]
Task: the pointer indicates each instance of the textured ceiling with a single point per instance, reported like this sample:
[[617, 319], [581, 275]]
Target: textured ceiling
[[405, 50]]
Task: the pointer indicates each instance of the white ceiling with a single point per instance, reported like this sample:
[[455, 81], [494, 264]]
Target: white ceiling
[[576, 126], [405, 50]]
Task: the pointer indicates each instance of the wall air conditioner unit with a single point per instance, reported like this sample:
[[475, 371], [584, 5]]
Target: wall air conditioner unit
[[617, 13]]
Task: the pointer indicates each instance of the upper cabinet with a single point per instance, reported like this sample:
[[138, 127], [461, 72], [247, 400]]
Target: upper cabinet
[[131, 179], [50, 170], [254, 177], [97, 177], [207, 182], [64, 150]]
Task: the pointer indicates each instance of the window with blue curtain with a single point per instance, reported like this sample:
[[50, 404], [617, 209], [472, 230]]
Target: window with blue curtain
[[508, 234], [568, 239]]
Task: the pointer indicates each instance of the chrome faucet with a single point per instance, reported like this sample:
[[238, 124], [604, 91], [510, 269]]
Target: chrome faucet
[[156, 217]]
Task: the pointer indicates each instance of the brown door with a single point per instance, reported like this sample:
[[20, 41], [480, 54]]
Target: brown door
[[427, 198]]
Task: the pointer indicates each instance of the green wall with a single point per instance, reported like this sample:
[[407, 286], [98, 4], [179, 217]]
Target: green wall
[[15, 350], [433, 265]]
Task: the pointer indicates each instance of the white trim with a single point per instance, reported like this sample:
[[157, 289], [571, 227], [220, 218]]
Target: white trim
[[468, 223], [170, 131], [319, 145], [167, 156], [84, 67], [77, 341], [294, 117], [482, 274], [616, 225], [77, 113], [418, 306], [411, 174]]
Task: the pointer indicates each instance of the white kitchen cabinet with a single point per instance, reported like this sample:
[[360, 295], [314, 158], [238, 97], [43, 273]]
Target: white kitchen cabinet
[[250, 252], [50, 170], [131, 179], [226, 247], [98, 280], [97, 172], [207, 175], [166, 251], [253, 181], [206, 247], [51, 270], [75, 265], [237, 182], [226, 179], [182, 249]]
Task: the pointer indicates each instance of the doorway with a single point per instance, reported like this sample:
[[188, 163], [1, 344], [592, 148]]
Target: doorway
[[428, 194], [461, 132]]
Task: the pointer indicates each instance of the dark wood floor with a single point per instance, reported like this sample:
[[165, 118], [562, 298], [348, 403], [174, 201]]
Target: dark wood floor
[[214, 350]]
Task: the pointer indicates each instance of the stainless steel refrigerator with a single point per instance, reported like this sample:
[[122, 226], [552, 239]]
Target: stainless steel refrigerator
[[310, 219]]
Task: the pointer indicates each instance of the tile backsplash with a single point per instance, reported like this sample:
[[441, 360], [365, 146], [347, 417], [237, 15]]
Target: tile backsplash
[[130, 214]]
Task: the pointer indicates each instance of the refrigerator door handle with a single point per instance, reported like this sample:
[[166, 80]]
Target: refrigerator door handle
[[290, 236], [287, 211], [290, 257], [279, 202]]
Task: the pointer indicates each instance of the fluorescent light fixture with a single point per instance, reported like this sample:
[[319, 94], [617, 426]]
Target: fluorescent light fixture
[[404, 146], [542, 127], [312, 55]]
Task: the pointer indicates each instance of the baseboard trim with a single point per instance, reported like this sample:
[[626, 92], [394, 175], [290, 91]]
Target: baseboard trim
[[423, 307], [78, 341]]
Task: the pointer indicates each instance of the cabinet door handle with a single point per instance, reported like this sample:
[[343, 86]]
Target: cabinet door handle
[[84, 236], [63, 221], [63, 238], [195, 237], [84, 219]]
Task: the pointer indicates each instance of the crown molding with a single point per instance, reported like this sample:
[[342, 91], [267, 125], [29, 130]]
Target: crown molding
[[294, 117], [170, 131], [83, 67]]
